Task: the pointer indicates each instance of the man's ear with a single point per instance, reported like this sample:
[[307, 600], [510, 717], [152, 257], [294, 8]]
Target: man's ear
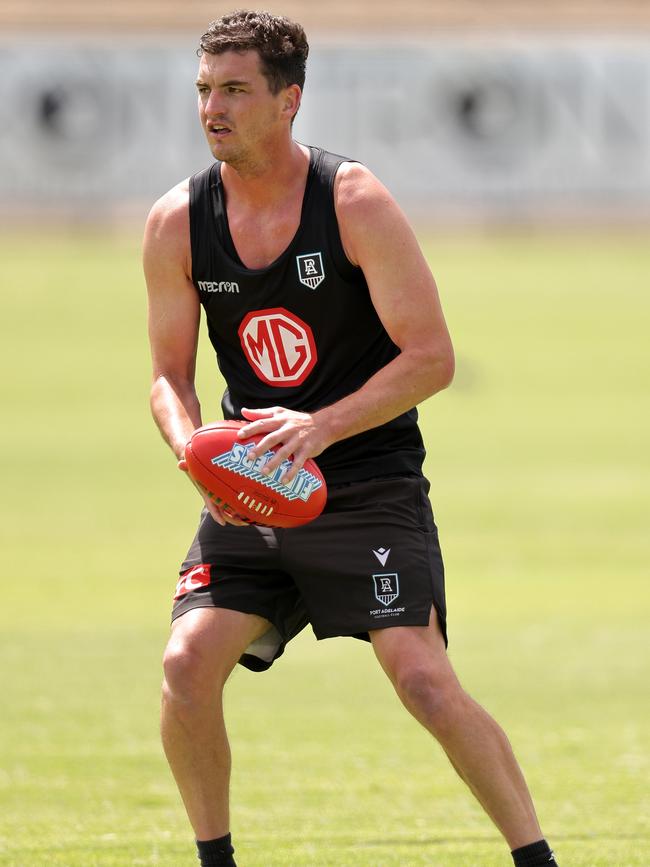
[[291, 103]]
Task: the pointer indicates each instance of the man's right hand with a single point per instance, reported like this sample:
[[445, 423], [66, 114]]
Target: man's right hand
[[218, 514]]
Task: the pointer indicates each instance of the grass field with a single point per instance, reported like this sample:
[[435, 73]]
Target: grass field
[[541, 477]]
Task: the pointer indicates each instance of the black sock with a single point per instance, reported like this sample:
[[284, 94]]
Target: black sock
[[534, 855], [216, 853]]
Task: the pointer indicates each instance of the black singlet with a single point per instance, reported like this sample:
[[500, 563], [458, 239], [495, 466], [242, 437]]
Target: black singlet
[[303, 332]]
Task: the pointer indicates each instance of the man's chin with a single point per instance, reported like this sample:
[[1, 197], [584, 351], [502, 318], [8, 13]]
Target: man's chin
[[221, 151]]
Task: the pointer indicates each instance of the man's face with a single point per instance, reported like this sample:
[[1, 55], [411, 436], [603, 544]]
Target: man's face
[[238, 112]]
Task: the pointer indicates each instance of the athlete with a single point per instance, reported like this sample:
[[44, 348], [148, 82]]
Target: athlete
[[328, 330]]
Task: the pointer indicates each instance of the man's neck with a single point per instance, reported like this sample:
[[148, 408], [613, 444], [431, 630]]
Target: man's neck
[[267, 181]]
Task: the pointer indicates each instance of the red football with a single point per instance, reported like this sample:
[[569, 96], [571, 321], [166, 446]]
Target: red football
[[219, 463]]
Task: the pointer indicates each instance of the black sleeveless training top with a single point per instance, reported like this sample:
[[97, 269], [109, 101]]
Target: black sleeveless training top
[[301, 333]]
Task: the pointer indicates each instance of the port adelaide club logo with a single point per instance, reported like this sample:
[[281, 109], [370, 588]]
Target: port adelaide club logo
[[386, 583], [386, 587], [311, 272]]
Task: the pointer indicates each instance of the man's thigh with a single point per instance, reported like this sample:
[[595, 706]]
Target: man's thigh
[[214, 639], [420, 647], [239, 569]]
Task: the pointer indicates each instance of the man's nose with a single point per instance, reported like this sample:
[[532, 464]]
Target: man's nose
[[215, 104]]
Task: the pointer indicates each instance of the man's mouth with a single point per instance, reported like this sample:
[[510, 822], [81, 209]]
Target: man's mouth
[[218, 130]]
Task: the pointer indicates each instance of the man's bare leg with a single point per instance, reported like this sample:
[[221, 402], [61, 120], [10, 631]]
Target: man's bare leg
[[204, 647], [415, 660]]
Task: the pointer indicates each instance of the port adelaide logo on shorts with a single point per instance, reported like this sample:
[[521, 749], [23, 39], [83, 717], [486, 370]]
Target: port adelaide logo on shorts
[[311, 272], [386, 587]]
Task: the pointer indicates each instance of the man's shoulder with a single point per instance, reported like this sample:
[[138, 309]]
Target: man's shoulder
[[352, 176], [357, 191], [167, 231], [173, 201], [170, 213], [368, 216]]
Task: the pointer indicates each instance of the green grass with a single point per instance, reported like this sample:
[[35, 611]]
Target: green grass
[[539, 461]]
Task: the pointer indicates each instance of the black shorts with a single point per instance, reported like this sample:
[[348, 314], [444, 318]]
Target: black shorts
[[370, 561]]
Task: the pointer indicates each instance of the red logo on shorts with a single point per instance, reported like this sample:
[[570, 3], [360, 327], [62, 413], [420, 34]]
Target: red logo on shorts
[[192, 579], [279, 347]]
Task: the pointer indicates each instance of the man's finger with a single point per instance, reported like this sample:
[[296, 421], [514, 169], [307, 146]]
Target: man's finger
[[291, 472], [270, 441], [284, 453], [259, 413], [259, 426], [215, 512]]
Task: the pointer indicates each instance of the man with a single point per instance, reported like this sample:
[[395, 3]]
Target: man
[[328, 330]]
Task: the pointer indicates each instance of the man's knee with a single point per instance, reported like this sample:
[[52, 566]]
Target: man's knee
[[182, 667], [432, 696], [203, 649], [192, 672]]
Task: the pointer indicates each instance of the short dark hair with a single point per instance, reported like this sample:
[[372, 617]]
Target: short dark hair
[[281, 44]]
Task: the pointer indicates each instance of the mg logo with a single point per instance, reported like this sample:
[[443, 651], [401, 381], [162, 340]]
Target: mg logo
[[279, 346]]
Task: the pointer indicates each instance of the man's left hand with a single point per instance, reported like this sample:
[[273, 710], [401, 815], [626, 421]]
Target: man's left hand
[[299, 435]]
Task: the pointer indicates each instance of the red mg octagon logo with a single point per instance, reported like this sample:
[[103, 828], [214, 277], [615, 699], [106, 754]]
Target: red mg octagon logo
[[279, 347]]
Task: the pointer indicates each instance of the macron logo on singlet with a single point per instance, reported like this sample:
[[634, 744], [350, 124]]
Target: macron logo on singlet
[[220, 286]]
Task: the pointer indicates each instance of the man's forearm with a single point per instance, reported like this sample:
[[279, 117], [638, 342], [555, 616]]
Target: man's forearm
[[176, 410], [402, 384], [396, 388]]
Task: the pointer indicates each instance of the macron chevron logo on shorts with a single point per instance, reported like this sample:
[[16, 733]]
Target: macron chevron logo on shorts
[[381, 554], [237, 460]]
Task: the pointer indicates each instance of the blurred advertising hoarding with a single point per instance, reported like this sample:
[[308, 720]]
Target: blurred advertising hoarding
[[500, 127]]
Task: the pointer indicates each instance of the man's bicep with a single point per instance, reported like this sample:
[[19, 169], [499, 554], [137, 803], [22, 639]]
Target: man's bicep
[[173, 304], [174, 316], [379, 238]]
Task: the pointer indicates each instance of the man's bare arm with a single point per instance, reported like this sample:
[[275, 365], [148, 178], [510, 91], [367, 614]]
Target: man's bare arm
[[378, 238], [173, 319], [174, 316]]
